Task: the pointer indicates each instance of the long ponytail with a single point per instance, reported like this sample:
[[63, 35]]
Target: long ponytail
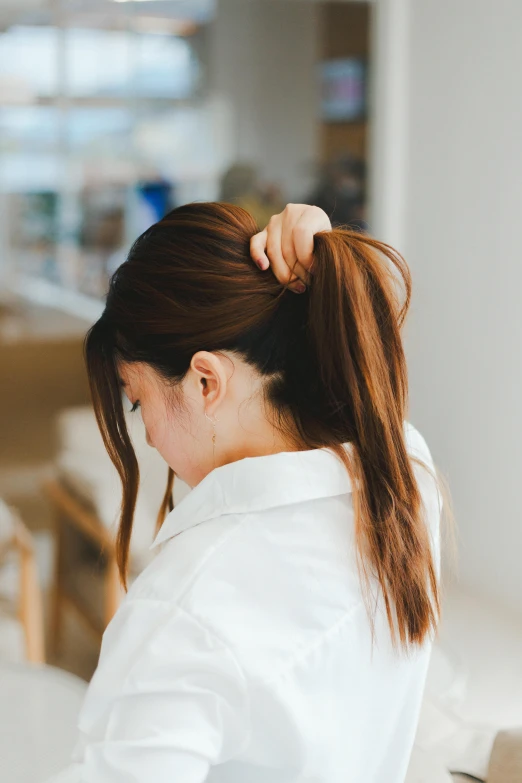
[[355, 317], [332, 359]]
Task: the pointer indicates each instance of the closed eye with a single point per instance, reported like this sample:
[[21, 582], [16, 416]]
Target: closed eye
[[135, 406]]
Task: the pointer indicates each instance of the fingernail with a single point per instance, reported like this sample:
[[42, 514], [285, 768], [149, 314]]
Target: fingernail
[[261, 263], [300, 288]]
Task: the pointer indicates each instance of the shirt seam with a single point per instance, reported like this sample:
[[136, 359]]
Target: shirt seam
[[298, 654], [223, 644], [303, 653], [244, 678], [212, 551], [259, 682]]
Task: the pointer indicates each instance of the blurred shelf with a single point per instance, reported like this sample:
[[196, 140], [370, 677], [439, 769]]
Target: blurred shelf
[[43, 292], [103, 101]]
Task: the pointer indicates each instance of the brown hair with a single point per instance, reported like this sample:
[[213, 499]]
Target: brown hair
[[334, 366]]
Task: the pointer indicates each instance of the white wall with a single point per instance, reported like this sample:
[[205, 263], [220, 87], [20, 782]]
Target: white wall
[[264, 55], [389, 119], [462, 236]]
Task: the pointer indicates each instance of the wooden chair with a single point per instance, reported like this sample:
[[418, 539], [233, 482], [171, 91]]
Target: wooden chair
[[71, 512], [17, 554], [85, 497]]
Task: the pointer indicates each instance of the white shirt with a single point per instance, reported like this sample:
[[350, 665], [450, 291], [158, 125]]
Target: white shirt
[[242, 653]]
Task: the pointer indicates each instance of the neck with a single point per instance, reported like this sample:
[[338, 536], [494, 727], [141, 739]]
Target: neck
[[254, 435]]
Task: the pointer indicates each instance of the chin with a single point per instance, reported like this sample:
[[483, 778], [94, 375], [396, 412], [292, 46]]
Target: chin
[[191, 475], [181, 473], [188, 478]]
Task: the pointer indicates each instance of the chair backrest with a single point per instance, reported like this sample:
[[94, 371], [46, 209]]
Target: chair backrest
[[18, 565], [83, 461], [6, 527]]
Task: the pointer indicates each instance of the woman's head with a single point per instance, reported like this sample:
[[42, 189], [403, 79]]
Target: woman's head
[[197, 336], [215, 414], [207, 343]]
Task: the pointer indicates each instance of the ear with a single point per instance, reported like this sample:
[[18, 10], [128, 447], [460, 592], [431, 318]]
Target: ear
[[211, 380]]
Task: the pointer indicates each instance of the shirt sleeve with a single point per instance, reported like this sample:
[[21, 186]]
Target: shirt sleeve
[[167, 701]]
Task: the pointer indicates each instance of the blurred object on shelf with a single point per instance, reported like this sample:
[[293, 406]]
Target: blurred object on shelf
[[343, 90], [341, 192], [102, 217], [33, 225], [155, 199], [101, 233], [239, 181], [240, 185], [37, 219]]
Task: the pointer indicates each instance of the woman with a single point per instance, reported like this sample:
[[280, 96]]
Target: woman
[[282, 633]]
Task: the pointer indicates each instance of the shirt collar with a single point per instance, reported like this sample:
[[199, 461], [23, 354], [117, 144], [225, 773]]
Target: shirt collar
[[258, 483]]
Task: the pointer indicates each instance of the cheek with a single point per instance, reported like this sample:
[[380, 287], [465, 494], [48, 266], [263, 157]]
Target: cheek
[[179, 445], [162, 433], [154, 428]]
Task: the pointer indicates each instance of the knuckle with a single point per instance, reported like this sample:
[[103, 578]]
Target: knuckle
[[282, 273], [287, 249], [271, 251], [301, 229], [322, 216]]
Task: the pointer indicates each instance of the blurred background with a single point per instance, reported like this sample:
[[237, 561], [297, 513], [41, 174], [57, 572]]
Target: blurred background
[[398, 117]]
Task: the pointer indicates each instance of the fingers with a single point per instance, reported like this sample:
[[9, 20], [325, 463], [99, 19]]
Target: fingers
[[257, 250], [311, 221], [287, 244], [300, 224], [290, 219], [269, 241], [274, 250]]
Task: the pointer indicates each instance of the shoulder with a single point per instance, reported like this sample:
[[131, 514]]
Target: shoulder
[[428, 482], [182, 559], [155, 656], [424, 468], [417, 446]]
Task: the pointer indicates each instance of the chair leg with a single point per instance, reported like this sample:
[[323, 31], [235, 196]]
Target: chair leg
[[57, 590], [31, 608]]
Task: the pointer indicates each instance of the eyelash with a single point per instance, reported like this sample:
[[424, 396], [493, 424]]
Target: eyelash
[[135, 406]]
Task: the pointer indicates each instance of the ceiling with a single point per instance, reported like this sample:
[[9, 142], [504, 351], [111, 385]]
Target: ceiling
[[40, 11]]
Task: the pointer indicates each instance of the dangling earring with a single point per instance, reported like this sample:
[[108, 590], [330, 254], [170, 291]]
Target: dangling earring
[[213, 422]]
